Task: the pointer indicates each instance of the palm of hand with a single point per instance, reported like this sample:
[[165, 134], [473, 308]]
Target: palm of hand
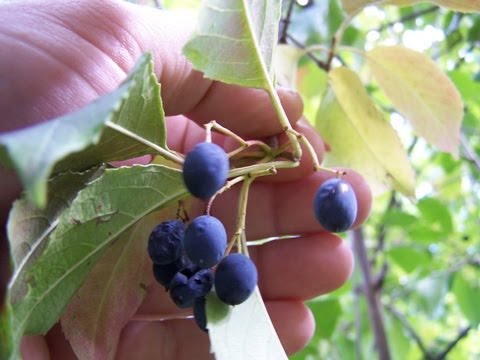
[[82, 50]]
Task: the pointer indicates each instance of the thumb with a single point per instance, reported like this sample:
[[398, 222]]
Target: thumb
[[245, 111]]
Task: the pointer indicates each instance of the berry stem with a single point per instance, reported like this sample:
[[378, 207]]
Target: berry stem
[[239, 235], [167, 154], [258, 168], [282, 117], [213, 125]]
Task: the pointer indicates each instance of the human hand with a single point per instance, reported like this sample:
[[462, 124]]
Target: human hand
[[81, 50]]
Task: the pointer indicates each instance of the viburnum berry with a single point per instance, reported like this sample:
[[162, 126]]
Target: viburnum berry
[[235, 279], [165, 244], [205, 241], [205, 170], [335, 205]]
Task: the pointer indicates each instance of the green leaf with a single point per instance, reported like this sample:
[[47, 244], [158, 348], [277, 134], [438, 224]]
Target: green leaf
[[409, 258], [246, 333], [111, 295], [327, 313], [29, 227], [216, 309], [468, 87], [235, 41], [80, 140], [467, 292], [430, 293], [436, 214], [421, 92], [360, 138], [395, 217], [398, 340], [100, 212], [9, 349]]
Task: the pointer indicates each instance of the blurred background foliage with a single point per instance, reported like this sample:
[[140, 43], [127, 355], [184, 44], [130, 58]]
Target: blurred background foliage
[[423, 256]]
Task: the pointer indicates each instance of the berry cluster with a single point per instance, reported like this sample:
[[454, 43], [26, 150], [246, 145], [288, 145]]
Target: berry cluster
[[189, 261], [184, 258]]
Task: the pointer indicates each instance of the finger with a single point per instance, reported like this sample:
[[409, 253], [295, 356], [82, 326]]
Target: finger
[[181, 339], [245, 111], [34, 348], [298, 269], [293, 322], [176, 339], [285, 208], [184, 135], [68, 63], [302, 268]]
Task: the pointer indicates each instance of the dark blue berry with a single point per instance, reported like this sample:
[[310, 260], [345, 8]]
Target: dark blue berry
[[205, 170], [335, 205], [205, 241], [165, 273], [184, 290], [235, 279], [165, 242], [200, 314]]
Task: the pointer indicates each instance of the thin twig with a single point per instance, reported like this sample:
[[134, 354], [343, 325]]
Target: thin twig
[[463, 333], [322, 65], [371, 295], [285, 23], [409, 329], [469, 152], [408, 17]]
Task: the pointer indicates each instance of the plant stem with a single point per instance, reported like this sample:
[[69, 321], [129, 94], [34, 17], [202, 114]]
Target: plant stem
[[322, 65], [469, 152], [409, 329], [239, 235], [282, 39], [282, 117], [463, 333], [262, 167], [338, 36], [169, 155], [371, 295]]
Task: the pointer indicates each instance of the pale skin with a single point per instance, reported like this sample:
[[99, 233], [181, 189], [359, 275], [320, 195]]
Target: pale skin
[[58, 56]]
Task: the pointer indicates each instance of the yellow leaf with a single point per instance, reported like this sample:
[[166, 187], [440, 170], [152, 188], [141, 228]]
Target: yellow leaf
[[359, 136], [352, 6], [457, 5], [286, 64], [421, 92]]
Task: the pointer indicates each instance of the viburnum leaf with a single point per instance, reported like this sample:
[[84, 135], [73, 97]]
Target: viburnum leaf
[[245, 332], [9, 349], [28, 229], [359, 137], [235, 41], [83, 139], [111, 295], [421, 92], [352, 6], [100, 212], [467, 292]]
